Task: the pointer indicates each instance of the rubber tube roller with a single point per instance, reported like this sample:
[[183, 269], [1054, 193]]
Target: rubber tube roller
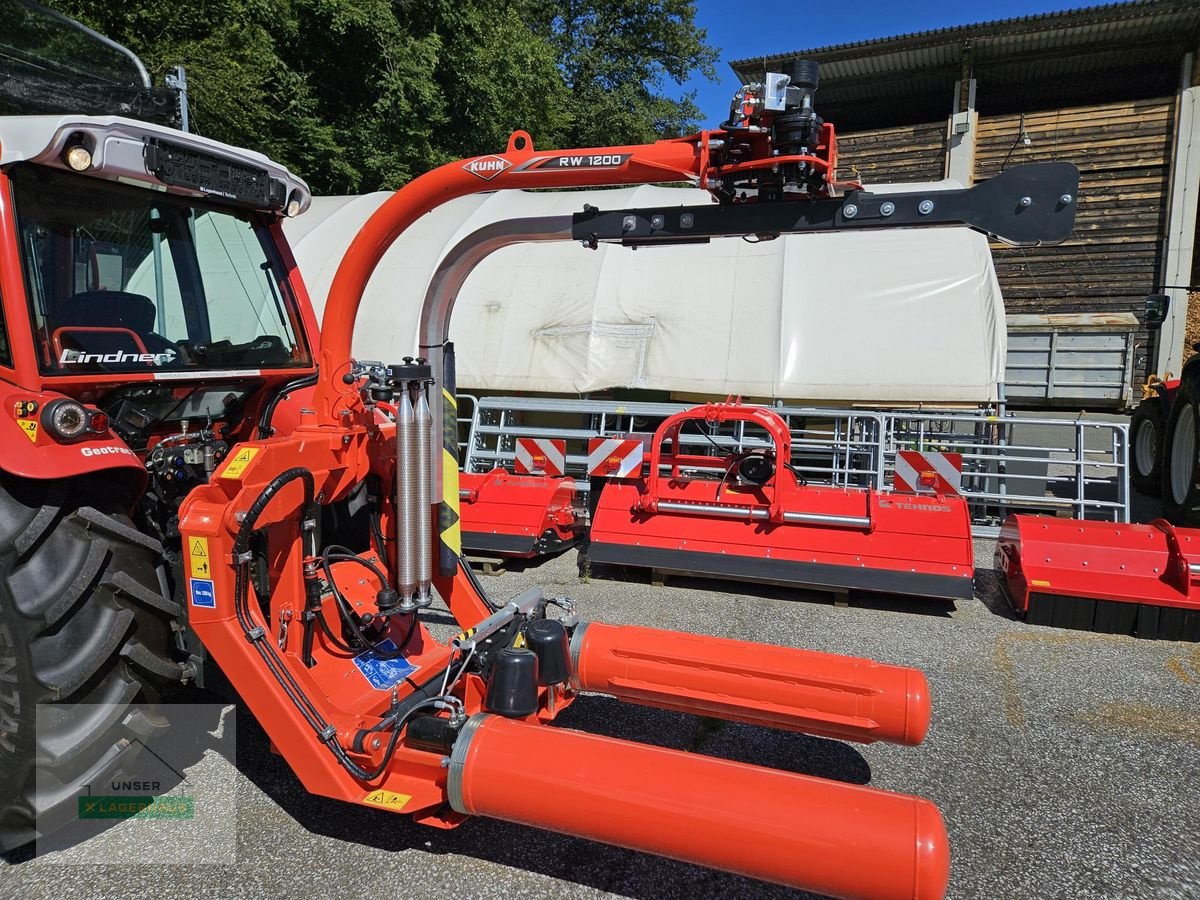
[[778, 687], [839, 839]]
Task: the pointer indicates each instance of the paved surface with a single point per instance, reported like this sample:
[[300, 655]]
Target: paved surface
[[1064, 763]]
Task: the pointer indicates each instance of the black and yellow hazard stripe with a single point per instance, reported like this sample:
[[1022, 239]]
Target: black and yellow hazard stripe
[[449, 529]]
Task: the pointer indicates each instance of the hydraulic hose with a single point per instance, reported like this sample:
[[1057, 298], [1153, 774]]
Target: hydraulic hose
[[336, 553], [265, 429], [256, 634], [348, 616]]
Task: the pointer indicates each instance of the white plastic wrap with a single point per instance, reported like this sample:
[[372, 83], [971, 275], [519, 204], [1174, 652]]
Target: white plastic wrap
[[896, 316]]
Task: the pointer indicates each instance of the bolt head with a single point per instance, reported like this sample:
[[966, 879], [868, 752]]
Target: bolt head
[[887, 208], [1026, 202], [925, 207], [849, 210], [1066, 199]]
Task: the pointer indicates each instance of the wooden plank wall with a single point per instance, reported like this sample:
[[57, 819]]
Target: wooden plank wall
[[904, 153], [1123, 151]]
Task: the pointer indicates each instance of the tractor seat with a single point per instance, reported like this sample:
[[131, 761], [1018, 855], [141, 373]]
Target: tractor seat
[[108, 309], [129, 316]]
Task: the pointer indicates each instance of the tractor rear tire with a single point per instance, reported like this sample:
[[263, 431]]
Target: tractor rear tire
[[86, 630], [1146, 437], [1181, 459]]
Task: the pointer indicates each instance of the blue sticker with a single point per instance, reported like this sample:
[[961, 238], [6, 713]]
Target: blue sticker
[[203, 594], [383, 674]]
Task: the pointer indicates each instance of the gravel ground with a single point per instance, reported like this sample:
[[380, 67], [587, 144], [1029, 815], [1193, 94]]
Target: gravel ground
[[1063, 762]]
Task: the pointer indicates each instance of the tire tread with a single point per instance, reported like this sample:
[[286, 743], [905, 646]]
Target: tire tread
[[91, 626]]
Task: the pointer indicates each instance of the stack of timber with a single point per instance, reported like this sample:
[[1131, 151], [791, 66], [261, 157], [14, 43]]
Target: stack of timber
[[1123, 151], [894, 155]]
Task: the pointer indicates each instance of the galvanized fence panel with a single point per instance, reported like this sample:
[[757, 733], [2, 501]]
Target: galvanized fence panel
[[1062, 466], [1071, 466], [838, 447]]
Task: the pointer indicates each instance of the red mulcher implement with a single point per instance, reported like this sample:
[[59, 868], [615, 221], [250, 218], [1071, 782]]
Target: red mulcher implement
[[166, 414], [748, 515], [1141, 580], [518, 516], [529, 512], [1124, 579]]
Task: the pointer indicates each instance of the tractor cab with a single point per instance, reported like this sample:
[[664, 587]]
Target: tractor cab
[[151, 309], [144, 254], [144, 272]]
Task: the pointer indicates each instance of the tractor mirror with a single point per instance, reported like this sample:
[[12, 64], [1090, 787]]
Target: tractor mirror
[[1156, 310], [106, 267]]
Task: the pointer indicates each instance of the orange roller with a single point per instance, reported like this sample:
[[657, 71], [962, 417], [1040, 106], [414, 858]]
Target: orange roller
[[779, 687], [837, 839]]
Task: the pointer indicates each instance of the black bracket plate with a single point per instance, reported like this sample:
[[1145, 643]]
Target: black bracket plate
[[1026, 206]]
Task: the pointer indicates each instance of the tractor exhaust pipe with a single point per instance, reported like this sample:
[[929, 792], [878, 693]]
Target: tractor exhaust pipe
[[825, 836], [823, 694]]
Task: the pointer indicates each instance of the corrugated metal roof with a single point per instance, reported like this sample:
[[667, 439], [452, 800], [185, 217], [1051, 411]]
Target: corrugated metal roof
[[1143, 22]]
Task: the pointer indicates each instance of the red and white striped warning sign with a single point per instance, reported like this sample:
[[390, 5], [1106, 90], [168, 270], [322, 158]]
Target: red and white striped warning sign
[[540, 456], [615, 457], [927, 472]]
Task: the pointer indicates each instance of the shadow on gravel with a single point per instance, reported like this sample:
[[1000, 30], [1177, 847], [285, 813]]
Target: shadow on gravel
[[569, 859], [787, 751], [480, 560], [989, 588], [922, 606]]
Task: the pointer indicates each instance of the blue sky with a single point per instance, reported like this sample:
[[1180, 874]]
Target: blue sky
[[744, 29]]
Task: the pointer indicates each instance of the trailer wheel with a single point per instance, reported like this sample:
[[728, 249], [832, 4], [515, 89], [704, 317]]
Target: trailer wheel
[[1180, 461], [85, 631], [1145, 434]]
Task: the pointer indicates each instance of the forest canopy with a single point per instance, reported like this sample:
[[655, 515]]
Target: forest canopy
[[361, 95]]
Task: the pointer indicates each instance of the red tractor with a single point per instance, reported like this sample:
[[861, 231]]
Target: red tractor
[[191, 476]]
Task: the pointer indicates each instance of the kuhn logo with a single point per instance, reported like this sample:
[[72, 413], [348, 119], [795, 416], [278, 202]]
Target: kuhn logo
[[487, 167], [77, 358]]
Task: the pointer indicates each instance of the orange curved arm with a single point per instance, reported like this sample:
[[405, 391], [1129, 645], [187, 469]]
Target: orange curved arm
[[522, 167]]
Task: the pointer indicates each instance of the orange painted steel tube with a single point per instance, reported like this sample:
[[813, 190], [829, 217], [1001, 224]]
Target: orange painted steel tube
[[777, 687], [837, 839]]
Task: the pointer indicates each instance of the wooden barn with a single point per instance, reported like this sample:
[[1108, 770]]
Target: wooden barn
[[1113, 89]]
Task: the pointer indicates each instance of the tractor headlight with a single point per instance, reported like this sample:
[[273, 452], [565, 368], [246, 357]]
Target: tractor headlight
[[66, 420], [79, 158], [78, 152]]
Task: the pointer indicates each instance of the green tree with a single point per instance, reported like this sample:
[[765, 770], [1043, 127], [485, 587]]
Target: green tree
[[498, 75], [241, 89], [358, 95], [618, 58]]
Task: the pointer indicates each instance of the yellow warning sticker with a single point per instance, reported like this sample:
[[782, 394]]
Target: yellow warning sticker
[[387, 799], [1037, 582], [239, 461], [198, 556], [30, 427]]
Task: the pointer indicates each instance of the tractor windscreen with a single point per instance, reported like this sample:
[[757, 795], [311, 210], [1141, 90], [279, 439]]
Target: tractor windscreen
[[123, 279]]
